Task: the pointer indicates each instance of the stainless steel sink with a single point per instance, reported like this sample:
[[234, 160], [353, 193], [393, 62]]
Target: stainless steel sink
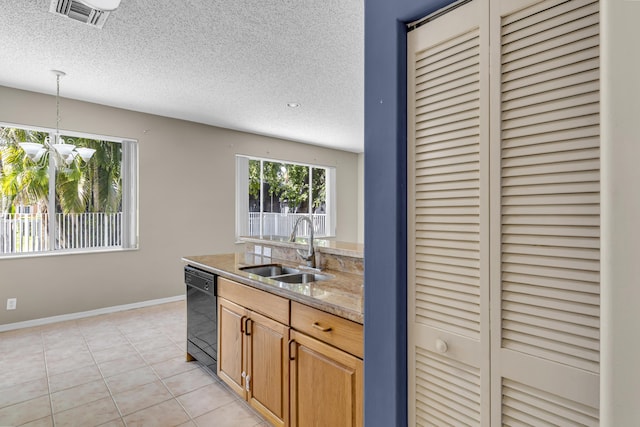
[[283, 274], [301, 278], [269, 270]]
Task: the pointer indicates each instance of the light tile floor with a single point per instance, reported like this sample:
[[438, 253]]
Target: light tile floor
[[114, 370]]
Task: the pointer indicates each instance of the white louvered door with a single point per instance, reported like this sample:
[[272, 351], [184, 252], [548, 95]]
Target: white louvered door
[[448, 234], [546, 185], [503, 215]]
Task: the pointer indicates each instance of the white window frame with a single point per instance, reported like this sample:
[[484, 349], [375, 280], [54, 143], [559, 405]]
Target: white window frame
[[242, 193], [129, 171]]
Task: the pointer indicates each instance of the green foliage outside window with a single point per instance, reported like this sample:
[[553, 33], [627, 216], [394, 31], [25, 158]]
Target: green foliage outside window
[[79, 187], [287, 184]]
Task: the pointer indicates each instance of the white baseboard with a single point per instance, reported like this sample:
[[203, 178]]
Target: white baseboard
[[82, 314]]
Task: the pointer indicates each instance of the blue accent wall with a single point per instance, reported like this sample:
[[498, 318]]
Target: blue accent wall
[[385, 395]]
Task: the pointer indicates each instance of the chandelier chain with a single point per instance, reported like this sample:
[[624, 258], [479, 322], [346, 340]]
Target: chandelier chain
[[57, 107]]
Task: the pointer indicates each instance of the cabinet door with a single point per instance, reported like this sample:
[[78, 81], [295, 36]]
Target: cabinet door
[[326, 384], [268, 367], [231, 347]]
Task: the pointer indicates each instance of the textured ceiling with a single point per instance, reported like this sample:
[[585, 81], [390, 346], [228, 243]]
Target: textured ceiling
[[229, 63]]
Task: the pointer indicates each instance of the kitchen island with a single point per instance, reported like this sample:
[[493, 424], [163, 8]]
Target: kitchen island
[[294, 351]]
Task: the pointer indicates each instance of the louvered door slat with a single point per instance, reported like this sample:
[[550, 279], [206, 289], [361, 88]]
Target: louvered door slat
[[563, 145], [552, 230], [434, 160], [574, 110], [445, 106], [555, 188], [546, 35], [558, 160], [567, 253], [449, 391], [443, 196], [551, 282], [592, 175], [551, 261], [553, 315], [566, 337], [518, 21], [555, 138], [543, 322], [583, 60], [447, 87], [573, 295], [471, 264], [569, 412], [556, 105], [580, 166], [450, 68], [455, 135], [558, 80]]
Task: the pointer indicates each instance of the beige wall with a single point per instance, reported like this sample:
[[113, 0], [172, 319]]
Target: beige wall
[[620, 305], [186, 206]]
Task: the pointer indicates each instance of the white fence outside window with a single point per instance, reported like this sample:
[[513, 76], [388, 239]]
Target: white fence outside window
[[27, 232], [277, 224]]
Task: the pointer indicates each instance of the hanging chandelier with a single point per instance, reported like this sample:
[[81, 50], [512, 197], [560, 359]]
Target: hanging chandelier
[[66, 153]]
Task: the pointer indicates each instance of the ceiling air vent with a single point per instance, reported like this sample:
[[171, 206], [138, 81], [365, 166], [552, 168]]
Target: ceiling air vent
[[79, 11]]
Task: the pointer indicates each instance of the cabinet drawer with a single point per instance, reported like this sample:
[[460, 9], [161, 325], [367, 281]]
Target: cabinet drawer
[[256, 300], [334, 330]]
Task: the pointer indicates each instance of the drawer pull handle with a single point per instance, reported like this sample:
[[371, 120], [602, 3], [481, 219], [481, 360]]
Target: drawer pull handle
[[242, 324], [317, 326], [291, 353]]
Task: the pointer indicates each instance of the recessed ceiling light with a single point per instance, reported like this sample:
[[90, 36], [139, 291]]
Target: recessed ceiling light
[[293, 104]]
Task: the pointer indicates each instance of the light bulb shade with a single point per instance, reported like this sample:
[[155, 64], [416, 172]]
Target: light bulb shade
[[85, 153], [31, 149], [69, 159], [64, 149], [105, 5], [39, 155]]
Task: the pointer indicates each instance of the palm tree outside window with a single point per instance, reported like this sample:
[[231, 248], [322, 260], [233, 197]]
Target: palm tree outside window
[[48, 205]]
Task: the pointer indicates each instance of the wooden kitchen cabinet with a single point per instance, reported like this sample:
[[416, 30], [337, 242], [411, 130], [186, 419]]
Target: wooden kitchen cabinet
[[326, 380], [252, 350]]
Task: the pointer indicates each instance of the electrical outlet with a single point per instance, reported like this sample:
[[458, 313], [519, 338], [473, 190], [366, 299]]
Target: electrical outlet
[[266, 252], [257, 250], [11, 303]]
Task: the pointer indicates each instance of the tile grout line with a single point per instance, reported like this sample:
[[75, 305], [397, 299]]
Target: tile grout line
[[148, 365], [103, 379], [46, 371]]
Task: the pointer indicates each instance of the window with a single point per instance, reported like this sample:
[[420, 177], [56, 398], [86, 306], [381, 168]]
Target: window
[[62, 203], [271, 195]]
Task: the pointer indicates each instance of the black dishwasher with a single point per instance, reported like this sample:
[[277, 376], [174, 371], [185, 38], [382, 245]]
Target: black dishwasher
[[202, 316]]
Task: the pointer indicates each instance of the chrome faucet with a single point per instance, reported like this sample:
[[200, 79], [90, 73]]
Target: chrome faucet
[[309, 256]]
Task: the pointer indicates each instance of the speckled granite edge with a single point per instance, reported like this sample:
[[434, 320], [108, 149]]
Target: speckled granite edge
[[342, 294]]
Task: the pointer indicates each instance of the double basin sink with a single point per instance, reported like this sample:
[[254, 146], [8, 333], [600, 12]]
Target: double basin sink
[[284, 274]]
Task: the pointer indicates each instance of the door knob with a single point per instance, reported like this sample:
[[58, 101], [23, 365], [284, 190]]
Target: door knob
[[441, 346]]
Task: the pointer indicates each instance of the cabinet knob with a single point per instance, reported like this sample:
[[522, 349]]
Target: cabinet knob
[[441, 346]]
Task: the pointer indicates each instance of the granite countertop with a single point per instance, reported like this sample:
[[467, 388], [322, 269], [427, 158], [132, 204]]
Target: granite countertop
[[342, 294]]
